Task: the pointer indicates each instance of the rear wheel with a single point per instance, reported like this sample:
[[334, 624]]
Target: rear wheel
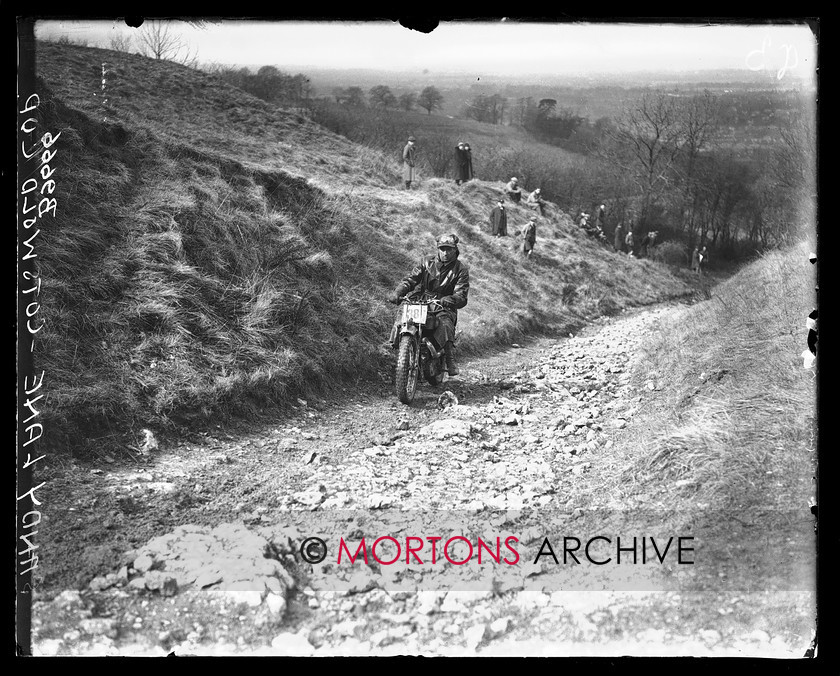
[[406, 378]]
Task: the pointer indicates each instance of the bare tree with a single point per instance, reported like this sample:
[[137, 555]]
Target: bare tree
[[648, 138], [158, 40], [121, 42], [700, 117]]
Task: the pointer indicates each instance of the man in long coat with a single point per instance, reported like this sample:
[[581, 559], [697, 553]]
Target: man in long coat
[[409, 155], [498, 219], [529, 236], [618, 242]]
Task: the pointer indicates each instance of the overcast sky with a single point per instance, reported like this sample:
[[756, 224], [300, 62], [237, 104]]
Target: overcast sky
[[501, 47]]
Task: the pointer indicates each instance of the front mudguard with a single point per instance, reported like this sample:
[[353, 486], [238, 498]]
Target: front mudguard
[[399, 330]]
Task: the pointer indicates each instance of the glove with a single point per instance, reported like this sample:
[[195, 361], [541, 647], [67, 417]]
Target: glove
[[448, 302], [394, 298]]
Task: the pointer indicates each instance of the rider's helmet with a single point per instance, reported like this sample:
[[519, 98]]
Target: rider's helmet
[[450, 239]]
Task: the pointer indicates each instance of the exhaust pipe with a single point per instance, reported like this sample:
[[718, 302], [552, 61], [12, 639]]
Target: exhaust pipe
[[435, 353]]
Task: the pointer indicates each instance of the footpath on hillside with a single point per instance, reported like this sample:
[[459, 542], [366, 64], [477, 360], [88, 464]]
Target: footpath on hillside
[[199, 549]]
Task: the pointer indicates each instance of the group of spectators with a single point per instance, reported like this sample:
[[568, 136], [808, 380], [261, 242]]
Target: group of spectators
[[624, 239], [700, 259], [533, 199], [499, 227], [593, 227], [463, 163]]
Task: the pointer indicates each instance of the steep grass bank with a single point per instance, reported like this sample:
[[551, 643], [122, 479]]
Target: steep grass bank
[[724, 445], [212, 257], [744, 424]]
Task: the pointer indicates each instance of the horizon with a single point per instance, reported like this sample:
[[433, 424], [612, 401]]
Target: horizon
[[484, 49]]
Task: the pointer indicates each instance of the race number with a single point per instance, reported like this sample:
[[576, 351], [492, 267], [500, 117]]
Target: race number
[[416, 313]]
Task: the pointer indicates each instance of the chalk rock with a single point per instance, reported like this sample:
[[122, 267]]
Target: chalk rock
[[446, 428]]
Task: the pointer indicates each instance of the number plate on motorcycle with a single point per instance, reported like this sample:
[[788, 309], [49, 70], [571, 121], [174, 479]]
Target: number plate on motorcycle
[[417, 313]]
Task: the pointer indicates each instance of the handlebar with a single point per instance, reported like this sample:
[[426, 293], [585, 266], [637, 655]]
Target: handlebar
[[421, 300]]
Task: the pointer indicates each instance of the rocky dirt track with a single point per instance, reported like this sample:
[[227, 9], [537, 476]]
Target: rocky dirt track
[[196, 549]]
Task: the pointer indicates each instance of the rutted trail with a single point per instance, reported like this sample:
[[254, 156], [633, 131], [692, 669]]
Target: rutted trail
[[222, 573]]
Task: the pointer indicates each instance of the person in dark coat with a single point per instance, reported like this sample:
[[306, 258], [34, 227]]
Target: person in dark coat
[[695, 259], [463, 163], [529, 236], [647, 241], [601, 216], [618, 242], [470, 172], [498, 219], [409, 159], [630, 242], [702, 260], [444, 278]]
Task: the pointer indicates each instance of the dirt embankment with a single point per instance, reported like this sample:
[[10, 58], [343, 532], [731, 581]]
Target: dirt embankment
[[196, 549]]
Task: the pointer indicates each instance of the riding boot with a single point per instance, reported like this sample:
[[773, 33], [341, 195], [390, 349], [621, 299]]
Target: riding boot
[[449, 357]]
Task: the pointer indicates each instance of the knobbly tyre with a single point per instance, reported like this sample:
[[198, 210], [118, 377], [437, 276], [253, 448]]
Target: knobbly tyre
[[417, 352]]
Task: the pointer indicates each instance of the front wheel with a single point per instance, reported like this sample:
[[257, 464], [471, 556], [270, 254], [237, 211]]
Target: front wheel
[[406, 377]]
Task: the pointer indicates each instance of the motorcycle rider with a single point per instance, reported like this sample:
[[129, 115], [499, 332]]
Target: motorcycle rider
[[446, 279]]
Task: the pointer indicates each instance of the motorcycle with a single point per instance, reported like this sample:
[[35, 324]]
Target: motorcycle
[[417, 353]]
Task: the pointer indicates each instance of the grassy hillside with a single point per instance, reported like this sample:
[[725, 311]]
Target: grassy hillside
[[725, 446], [213, 255]]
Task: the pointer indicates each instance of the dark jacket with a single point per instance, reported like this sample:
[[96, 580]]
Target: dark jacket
[[529, 234], [498, 221], [449, 283], [463, 163], [409, 155], [619, 236]]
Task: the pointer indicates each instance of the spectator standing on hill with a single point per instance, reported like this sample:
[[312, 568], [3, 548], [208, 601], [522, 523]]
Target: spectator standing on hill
[[498, 219], [630, 242], [702, 260], [695, 259], [535, 201], [618, 240], [513, 191], [601, 216], [647, 241], [409, 159], [461, 164], [471, 173], [529, 236]]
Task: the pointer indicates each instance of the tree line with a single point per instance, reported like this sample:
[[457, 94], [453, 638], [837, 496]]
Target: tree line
[[659, 163], [381, 97]]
